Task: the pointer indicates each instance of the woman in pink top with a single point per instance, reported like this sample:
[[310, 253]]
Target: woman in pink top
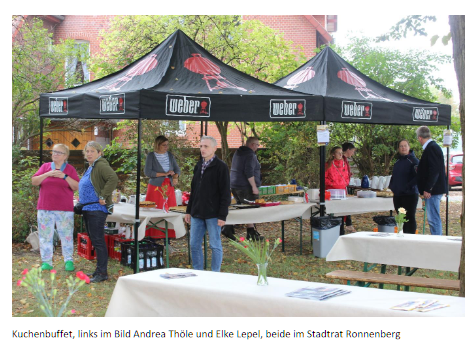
[[57, 180]]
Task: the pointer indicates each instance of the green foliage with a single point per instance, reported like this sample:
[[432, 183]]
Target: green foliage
[[24, 198], [412, 23], [248, 46], [291, 150], [122, 152], [38, 66]]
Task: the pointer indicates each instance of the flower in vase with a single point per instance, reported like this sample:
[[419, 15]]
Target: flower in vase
[[400, 217], [258, 250]]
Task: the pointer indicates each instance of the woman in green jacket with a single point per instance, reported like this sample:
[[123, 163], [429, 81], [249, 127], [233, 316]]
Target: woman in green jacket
[[96, 187]]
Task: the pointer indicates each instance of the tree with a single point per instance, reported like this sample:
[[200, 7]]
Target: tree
[[37, 67], [248, 46], [457, 25], [457, 34]]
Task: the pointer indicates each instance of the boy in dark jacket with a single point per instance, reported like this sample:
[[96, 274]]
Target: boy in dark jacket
[[207, 208], [431, 178], [404, 186]]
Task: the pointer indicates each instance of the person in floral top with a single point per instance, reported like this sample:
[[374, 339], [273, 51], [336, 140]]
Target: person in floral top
[[57, 180]]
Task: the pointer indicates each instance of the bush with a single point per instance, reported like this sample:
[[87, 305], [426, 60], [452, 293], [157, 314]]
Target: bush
[[24, 198]]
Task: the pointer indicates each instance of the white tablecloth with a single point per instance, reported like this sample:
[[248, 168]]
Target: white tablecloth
[[213, 294], [269, 214], [355, 205], [413, 250], [126, 213]]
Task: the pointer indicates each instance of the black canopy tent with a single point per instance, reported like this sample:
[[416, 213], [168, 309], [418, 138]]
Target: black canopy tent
[[179, 80], [352, 97]]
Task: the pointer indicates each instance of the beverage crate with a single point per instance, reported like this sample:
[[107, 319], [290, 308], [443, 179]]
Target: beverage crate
[[280, 189], [263, 190], [151, 255], [114, 247], [85, 247]]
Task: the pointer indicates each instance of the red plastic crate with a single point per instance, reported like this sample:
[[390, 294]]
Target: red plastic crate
[[115, 246], [109, 238], [85, 247]]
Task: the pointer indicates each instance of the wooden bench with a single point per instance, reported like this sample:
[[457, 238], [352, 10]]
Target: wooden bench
[[411, 281]]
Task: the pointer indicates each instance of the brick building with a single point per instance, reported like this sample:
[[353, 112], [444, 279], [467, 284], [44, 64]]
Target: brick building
[[308, 31]]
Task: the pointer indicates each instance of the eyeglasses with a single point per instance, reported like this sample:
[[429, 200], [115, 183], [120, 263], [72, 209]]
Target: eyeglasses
[[57, 153]]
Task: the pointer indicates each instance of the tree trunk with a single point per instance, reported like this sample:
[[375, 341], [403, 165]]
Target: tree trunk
[[225, 152], [457, 25]]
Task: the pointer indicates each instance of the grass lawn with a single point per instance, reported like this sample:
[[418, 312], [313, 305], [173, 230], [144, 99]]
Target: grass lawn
[[92, 300]]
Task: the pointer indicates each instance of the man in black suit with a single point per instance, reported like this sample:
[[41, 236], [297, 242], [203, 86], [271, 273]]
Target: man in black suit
[[431, 178]]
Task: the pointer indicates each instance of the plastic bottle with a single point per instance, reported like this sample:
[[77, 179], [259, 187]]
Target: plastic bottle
[[129, 256], [141, 260], [153, 259], [365, 184], [178, 196]]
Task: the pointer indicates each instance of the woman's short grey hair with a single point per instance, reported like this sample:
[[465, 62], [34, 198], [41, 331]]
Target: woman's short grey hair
[[65, 148], [423, 132], [95, 145], [211, 138]]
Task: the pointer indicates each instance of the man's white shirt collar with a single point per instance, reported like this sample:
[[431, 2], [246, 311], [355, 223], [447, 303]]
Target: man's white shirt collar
[[426, 143]]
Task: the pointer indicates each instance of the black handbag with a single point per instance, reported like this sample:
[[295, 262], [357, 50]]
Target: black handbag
[[78, 208]]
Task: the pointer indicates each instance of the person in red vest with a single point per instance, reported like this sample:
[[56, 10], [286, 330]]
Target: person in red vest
[[337, 175]]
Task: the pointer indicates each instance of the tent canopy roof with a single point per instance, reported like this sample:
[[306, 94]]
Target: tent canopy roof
[[179, 79], [350, 96]]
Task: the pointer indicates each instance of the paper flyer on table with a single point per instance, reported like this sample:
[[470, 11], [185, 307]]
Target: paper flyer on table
[[179, 275]]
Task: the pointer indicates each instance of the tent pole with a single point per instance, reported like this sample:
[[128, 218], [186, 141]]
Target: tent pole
[[322, 180], [41, 141], [447, 182], [137, 221]]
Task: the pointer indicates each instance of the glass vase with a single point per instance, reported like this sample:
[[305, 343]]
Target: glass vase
[[262, 277], [165, 207], [400, 230]]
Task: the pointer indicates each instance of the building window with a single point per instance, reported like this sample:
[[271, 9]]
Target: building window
[[77, 72]]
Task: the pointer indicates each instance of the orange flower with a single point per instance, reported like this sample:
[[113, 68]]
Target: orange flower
[[396, 229], [375, 229]]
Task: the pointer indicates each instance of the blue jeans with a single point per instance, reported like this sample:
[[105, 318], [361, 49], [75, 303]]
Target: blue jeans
[[432, 205], [197, 232]]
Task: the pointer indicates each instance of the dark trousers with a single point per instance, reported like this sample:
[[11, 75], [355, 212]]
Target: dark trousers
[[95, 221], [348, 220], [240, 195], [409, 203]]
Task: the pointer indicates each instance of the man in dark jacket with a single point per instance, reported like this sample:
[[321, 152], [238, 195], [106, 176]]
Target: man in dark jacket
[[245, 179], [431, 178], [207, 208]]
